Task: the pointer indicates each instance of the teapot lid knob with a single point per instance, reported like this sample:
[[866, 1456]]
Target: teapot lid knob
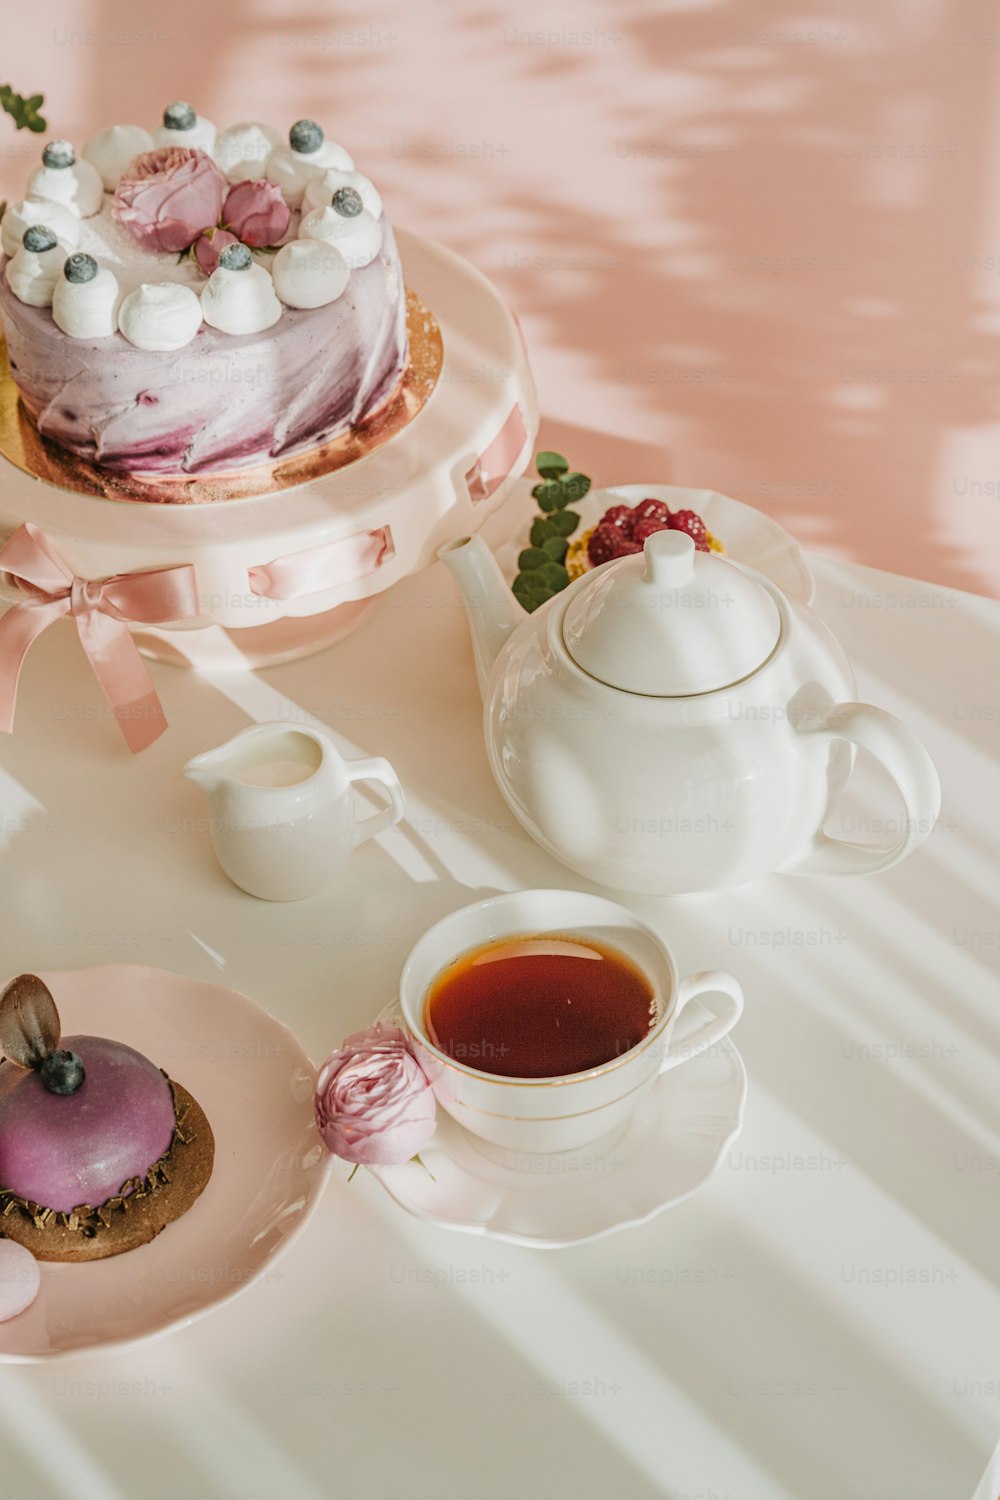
[[669, 558]]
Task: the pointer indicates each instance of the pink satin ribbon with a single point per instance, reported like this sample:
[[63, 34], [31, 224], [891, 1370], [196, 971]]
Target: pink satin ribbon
[[325, 567], [495, 463], [102, 609]]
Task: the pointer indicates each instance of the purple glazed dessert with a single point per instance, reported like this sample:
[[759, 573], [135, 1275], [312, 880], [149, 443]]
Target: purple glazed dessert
[[99, 1150], [194, 302], [64, 1150]]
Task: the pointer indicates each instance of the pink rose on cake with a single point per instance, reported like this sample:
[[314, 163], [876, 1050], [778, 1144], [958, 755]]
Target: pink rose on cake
[[210, 245], [374, 1104], [256, 212], [166, 198]]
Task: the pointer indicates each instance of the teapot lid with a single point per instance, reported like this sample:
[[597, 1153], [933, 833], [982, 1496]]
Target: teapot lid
[[671, 622]]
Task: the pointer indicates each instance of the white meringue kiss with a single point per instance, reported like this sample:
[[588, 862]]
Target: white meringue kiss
[[309, 273], [201, 136], [87, 309], [163, 316], [319, 191], [32, 275], [359, 239], [291, 171], [78, 188], [240, 301], [111, 150], [241, 151], [330, 156], [20, 216]]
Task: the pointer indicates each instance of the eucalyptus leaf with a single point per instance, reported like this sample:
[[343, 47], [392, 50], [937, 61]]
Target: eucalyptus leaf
[[563, 522], [544, 527], [553, 576], [556, 547], [24, 112], [575, 486], [551, 465], [549, 495], [532, 558], [536, 599]]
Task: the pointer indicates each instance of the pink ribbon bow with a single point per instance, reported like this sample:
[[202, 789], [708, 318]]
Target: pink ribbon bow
[[102, 610]]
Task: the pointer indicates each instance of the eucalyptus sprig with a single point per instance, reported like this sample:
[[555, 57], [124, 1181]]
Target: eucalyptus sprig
[[541, 566], [24, 112]]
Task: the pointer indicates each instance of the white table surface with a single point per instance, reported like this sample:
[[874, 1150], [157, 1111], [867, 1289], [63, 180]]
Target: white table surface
[[821, 1322]]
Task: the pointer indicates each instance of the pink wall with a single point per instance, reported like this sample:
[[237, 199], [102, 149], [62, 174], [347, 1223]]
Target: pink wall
[[753, 246]]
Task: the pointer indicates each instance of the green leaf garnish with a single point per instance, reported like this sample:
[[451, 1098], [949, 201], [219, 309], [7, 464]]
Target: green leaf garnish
[[563, 522], [575, 485], [541, 566], [544, 528], [551, 465], [552, 576], [550, 495], [24, 112]]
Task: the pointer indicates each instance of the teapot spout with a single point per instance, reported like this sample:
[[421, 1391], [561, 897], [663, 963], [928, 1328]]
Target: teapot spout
[[492, 611]]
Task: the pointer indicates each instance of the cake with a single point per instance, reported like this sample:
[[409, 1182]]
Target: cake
[[193, 301], [99, 1149]]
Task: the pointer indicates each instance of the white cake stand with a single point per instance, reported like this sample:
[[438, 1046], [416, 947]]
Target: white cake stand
[[438, 478]]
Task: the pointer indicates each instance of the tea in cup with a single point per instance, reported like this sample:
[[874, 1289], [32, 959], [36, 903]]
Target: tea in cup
[[541, 1018]]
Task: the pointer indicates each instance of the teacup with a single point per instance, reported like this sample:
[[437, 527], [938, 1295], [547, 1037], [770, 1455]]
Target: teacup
[[549, 1115]]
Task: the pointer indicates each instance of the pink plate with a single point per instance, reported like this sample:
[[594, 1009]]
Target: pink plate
[[255, 1084]]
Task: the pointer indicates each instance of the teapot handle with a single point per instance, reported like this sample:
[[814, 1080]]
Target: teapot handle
[[378, 770], [910, 767]]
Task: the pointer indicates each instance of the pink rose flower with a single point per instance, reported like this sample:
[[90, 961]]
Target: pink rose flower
[[167, 197], [374, 1105], [210, 245], [256, 212]]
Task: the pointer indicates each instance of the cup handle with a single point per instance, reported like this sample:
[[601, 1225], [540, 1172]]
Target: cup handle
[[378, 770], [910, 767], [710, 981]]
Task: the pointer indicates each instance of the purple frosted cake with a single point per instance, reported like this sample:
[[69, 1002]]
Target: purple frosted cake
[[99, 1150], [200, 302]]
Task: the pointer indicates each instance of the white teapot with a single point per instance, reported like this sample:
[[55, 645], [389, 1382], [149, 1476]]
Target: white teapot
[[672, 722]]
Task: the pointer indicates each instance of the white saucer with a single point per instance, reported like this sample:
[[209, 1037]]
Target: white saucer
[[672, 1145], [748, 535]]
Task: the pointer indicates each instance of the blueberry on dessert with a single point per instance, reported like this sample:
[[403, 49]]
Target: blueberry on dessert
[[99, 1149], [305, 137], [179, 116], [346, 201], [63, 178], [39, 237], [79, 267], [183, 126], [58, 154]]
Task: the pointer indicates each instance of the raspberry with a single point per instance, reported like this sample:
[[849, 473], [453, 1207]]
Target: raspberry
[[607, 541], [646, 527], [653, 510], [691, 522], [621, 516]]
